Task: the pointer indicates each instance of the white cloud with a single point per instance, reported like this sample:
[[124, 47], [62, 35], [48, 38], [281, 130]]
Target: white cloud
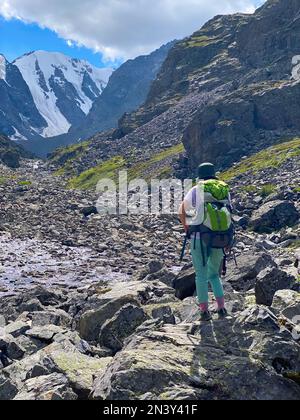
[[121, 28]]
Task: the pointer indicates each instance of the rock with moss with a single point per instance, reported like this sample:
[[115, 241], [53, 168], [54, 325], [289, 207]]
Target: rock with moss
[[79, 370], [112, 301], [219, 360], [284, 299]]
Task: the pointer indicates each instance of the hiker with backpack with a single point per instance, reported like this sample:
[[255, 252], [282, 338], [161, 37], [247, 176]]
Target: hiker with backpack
[[206, 216]]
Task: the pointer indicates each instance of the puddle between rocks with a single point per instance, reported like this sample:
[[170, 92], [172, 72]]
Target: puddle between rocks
[[24, 264]]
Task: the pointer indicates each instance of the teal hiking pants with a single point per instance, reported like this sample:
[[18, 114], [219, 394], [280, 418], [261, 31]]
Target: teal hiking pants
[[210, 273]]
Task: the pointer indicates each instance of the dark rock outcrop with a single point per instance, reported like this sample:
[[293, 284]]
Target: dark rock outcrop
[[11, 153], [269, 282], [274, 215]]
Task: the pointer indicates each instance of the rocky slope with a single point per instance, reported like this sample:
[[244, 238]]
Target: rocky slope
[[253, 59], [99, 307]]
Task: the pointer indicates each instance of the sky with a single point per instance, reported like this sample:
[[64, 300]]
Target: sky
[[104, 32]]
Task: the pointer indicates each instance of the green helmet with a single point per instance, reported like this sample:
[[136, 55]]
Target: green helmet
[[206, 171]]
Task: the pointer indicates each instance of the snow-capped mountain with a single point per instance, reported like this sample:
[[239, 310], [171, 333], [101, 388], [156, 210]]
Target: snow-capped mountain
[[63, 89], [19, 117]]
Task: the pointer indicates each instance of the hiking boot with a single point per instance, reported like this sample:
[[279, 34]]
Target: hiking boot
[[222, 313], [205, 316]]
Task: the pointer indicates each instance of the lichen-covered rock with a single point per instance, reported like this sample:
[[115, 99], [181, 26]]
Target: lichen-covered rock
[[112, 301], [91, 322], [287, 303], [56, 317], [216, 361], [79, 369]]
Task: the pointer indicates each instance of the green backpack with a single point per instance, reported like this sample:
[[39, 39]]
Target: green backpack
[[217, 229], [217, 214]]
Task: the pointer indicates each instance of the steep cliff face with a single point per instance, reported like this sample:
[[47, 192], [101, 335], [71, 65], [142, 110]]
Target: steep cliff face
[[264, 107]]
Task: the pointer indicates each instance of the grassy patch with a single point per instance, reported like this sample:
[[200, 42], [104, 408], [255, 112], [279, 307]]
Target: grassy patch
[[267, 190], [296, 190], [3, 180], [65, 156], [25, 183], [199, 41], [250, 189], [159, 166], [295, 245], [89, 179], [273, 157]]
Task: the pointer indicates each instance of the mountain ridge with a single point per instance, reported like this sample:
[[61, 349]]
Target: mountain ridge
[[218, 93]]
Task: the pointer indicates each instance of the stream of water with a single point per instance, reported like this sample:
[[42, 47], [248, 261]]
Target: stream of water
[[25, 264]]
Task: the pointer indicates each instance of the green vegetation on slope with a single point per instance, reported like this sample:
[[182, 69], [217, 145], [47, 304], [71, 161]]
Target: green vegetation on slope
[[3, 180], [273, 157], [106, 170], [159, 166], [198, 41], [66, 155]]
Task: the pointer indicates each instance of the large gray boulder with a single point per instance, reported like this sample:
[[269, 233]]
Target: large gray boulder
[[64, 357], [273, 216], [121, 294], [91, 322], [269, 282], [284, 299], [243, 276], [122, 325]]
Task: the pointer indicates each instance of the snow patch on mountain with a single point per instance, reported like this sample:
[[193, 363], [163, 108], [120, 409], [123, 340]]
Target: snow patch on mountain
[[17, 136], [2, 68], [58, 82]]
